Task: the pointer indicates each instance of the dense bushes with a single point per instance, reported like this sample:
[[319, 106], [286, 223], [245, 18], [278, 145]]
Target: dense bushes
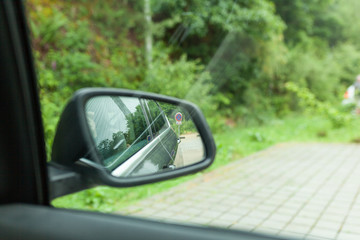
[[311, 104]]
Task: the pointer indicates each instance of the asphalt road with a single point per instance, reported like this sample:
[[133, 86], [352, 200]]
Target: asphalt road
[[309, 191], [190, 150]]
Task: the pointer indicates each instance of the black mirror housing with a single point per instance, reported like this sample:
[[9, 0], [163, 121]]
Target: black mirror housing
[[74, 149]]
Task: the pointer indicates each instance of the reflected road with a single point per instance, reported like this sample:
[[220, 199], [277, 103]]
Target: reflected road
[[190, 150]]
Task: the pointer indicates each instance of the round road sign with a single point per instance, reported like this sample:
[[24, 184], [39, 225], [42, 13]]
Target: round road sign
[[178, 117]]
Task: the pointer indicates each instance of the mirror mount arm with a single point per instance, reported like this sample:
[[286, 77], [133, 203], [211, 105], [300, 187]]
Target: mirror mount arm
[[89, 163], [63, 181]]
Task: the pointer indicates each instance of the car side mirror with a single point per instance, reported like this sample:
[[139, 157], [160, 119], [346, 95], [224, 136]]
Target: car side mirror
[[126, 138]]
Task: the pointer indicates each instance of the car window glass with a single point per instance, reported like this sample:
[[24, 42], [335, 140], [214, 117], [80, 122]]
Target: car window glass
[[118, 126], [157, 116], [149, 118]]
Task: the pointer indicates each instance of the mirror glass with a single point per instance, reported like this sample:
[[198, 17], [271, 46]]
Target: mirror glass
[[137, 136]]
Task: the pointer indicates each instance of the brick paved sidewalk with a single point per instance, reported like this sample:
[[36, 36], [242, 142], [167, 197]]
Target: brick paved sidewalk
[[309, 191]]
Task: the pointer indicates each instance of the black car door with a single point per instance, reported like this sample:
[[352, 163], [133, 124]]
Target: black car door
[[25, 212]]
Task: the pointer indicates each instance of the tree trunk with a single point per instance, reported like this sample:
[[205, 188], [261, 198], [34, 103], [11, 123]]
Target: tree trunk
[[148, 34]]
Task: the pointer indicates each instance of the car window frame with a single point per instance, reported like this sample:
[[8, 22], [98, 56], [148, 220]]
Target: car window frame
[[24, 158]]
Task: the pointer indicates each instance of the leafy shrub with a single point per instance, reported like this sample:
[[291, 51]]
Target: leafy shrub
[[309, 101], [174, 78], [257, 137]]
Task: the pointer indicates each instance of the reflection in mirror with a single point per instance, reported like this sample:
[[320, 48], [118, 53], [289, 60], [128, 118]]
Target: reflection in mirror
[[136, 136]]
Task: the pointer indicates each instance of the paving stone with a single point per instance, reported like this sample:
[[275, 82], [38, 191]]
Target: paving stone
[[191, 211], [258, 214], [353, 219], [220, 207], [299, 228], [348, 236], [238, 211], [305, 213], [303, 221], [266, 208], [328, 225], [323, 232], [273, 224], [355, 225], [350, 228], [287, 211], [338, 209], [210, 214], [280, 218], [333, 217], [250, 221]]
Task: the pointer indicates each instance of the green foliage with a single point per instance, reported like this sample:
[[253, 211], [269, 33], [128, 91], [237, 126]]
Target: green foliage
[[308, 18], [244, 53], [257, 137], [309, 101], [48, 29], [238, 41], [174, 78]]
